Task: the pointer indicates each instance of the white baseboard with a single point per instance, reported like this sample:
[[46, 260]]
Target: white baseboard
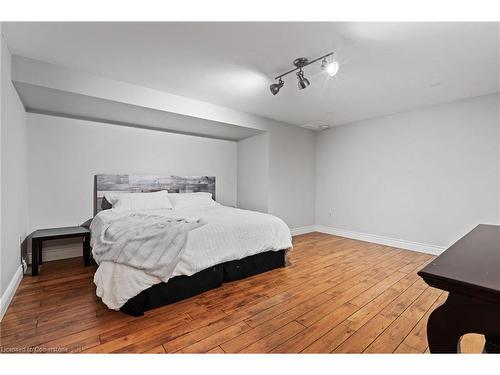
[[10, 291], [393, 242], [303, 230]]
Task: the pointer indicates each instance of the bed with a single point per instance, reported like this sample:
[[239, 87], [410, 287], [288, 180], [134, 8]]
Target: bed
[[231, 245]]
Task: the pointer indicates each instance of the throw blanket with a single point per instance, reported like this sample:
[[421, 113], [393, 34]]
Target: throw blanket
[[150, 243]]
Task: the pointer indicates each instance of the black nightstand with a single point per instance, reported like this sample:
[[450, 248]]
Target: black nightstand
[[38, 236]]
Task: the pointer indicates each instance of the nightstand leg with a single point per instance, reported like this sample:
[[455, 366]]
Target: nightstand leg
[[40, 259], [86, 250], [35, 250]]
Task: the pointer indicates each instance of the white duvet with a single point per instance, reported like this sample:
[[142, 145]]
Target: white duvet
[[229, 234]]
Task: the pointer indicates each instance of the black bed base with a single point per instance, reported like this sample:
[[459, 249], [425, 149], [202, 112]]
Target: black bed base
[[182, 287]]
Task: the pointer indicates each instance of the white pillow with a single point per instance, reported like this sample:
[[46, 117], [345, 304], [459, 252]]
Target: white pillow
[[139, 201], [112, 197], [191, 200]]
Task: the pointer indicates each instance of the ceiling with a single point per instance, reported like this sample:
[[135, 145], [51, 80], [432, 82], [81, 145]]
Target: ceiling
[[385, 68]]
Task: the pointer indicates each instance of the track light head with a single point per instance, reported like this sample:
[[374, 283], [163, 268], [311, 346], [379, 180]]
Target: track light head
[[330, 67], [276, 87], [303, 82]]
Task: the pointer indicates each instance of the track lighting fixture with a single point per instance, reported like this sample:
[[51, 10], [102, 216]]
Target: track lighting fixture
[[331, 68], [276, 87], [303, 82]]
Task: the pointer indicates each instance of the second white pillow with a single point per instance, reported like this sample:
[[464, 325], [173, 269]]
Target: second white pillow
[[191, 200], [140, 201]]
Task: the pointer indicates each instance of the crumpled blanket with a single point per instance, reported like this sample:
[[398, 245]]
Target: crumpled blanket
[[151, 243]]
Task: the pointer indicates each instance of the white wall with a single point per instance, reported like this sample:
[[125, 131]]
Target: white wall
[[253, 173], [427, 176], [291, 175], [288, 191], [65, 154], [14, 181]]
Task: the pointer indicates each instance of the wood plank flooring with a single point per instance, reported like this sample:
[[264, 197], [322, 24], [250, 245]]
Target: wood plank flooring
[[337, 295]]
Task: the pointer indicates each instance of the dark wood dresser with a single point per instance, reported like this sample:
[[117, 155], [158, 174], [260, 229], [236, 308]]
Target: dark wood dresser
[[470, 271]]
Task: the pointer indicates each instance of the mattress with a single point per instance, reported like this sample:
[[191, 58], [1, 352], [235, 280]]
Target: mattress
[[230, 234]]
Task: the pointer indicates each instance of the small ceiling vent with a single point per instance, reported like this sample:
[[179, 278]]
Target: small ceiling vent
[[316, 127]]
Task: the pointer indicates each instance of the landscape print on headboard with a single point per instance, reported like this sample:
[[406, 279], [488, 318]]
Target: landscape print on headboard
[[116, 183]]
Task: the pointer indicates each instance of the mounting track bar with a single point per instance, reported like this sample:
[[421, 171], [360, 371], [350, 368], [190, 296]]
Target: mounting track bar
[[303, 66]]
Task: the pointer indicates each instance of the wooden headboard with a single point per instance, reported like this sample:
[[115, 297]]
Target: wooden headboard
[[108, 183]]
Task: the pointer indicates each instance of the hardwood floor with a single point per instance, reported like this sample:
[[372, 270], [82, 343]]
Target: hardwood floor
[[336, 296]]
